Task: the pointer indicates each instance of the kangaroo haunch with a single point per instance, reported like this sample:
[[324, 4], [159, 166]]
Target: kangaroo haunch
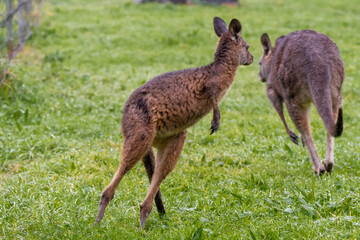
[[158, 113], [305, 67]]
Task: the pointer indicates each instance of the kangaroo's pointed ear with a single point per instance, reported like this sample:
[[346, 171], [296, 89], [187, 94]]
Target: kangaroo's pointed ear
[[219, 26], [235, 29], [266, 43]]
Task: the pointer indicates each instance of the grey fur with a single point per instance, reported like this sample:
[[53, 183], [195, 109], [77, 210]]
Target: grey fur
[[305, 67]]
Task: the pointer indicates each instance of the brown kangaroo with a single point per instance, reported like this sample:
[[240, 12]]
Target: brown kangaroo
[[158, 113], [304, 67]]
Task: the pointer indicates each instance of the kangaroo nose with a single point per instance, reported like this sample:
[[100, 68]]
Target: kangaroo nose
[[251, 59]]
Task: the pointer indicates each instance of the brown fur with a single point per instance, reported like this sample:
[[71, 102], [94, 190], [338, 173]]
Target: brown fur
[[302, 68], [158, 113]]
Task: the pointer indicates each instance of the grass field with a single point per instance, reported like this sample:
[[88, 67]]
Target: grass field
[[60, 135]]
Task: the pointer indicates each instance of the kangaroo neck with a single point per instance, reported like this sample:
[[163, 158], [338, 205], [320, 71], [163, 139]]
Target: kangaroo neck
[[224, 69]]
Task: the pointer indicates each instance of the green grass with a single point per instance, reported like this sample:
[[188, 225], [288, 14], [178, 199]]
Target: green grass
[[60, 135]]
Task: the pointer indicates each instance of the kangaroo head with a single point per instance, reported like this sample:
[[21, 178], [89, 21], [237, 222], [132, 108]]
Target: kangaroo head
[[232, 47], [265, 60]]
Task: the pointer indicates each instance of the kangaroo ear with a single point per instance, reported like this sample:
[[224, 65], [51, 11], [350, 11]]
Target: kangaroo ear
[[266, 43], [219, 26], [235, 29]]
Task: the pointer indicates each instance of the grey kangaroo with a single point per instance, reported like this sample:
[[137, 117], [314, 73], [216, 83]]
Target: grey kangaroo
[[158, 113], [305, 67]]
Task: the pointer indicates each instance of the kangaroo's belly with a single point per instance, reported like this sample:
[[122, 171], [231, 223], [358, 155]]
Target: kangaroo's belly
[[171, 119]]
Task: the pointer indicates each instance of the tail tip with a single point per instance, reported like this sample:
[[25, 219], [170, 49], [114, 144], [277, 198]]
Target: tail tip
[[339, 124]]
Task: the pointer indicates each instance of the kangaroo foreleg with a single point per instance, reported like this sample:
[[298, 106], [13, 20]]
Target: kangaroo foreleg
[[215, 123]]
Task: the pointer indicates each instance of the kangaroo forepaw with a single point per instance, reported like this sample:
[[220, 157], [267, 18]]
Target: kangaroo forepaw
[[214, 127], [294, 138]]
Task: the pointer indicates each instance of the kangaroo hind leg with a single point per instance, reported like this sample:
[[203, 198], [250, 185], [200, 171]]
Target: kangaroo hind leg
[[134, 149], [301, 119], [168, 153], [278, 105], [149, 164]]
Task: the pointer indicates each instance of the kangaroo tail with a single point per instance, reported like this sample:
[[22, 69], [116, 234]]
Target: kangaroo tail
[[323, 103], [339, 124]]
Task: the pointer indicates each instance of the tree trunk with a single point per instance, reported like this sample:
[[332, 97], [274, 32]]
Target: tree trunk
[[22, 24], [9, 37]]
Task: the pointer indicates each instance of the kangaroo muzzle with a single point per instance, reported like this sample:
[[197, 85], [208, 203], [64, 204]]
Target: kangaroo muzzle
[[250, 60]]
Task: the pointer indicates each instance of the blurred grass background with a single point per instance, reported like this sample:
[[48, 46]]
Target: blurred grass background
[[60, 135]]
